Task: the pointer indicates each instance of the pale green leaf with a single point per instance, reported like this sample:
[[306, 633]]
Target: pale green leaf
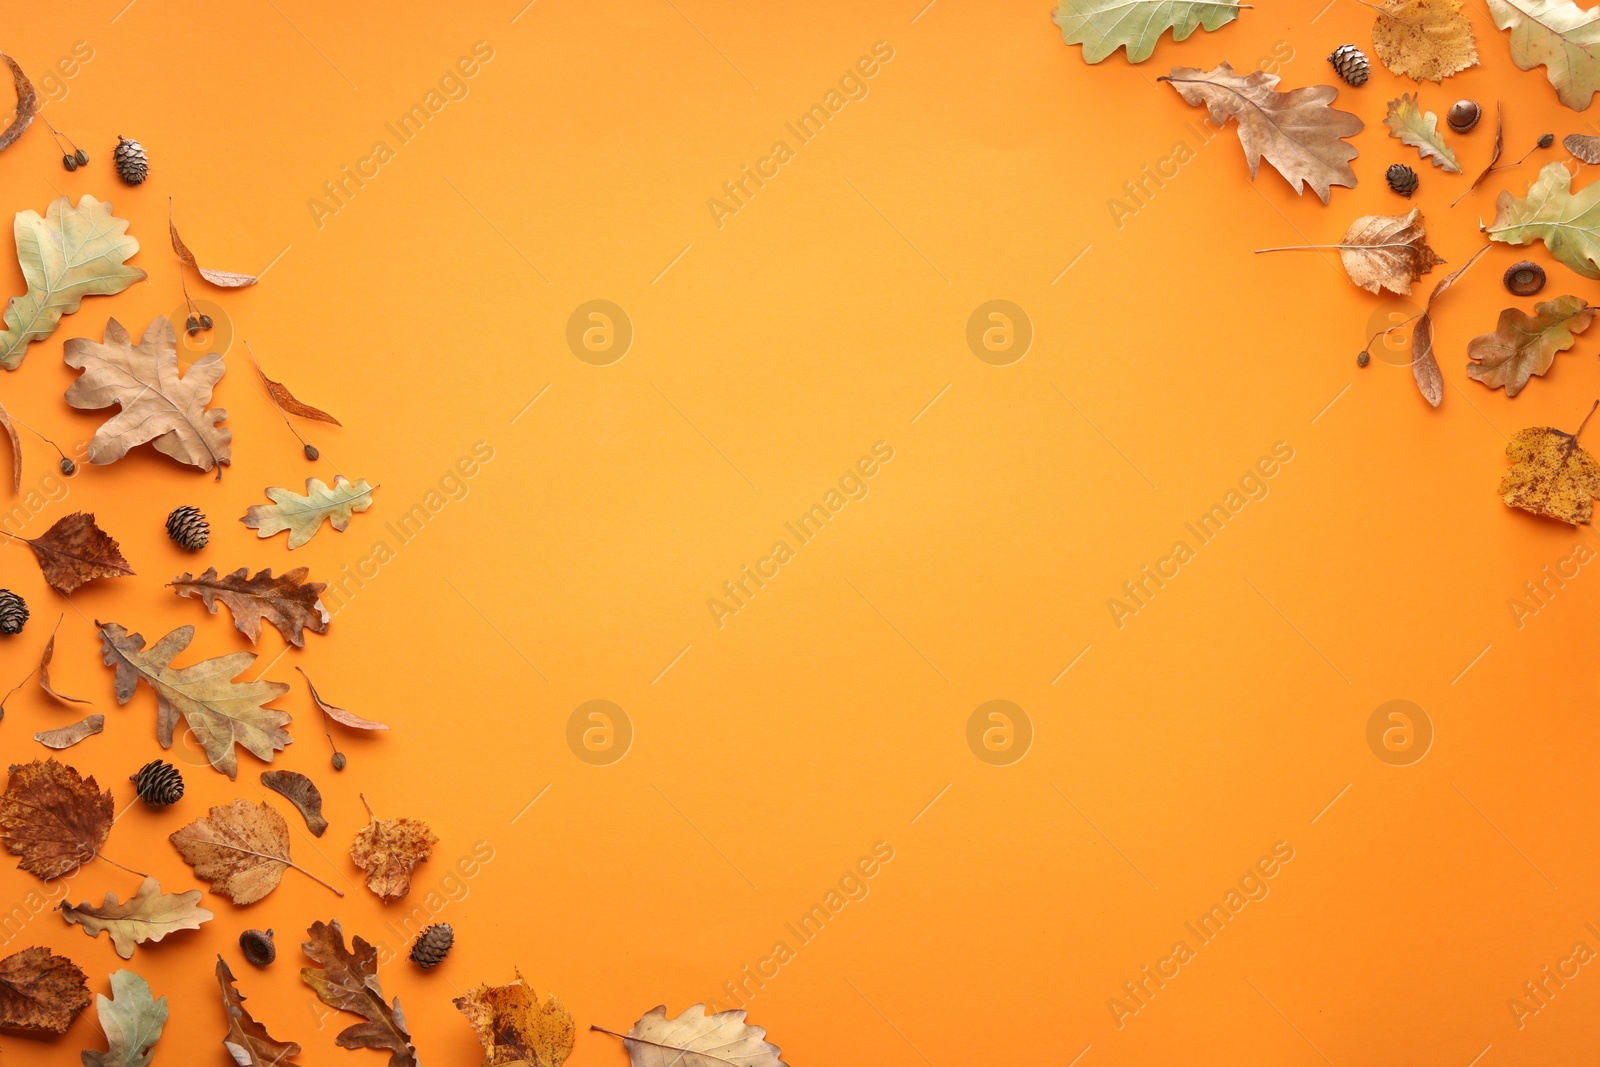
[[1419, 129], [302, 515], [132, 1021], [1561, 37], [1103, 26], [1568, 223]]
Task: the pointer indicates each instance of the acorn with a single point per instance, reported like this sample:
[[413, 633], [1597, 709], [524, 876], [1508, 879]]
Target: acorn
[[1402, 179], [1350, 63], [432, 945], [257, 947], [1524, 277], [158, 783], [1463, 115]]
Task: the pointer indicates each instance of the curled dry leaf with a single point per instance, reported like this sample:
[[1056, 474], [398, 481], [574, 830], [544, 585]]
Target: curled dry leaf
[[389, 850], [515, 1028], [303, 793], [132, 1021], [1424, 367], [287, 401], [695, 1039], [1551, 474], [44, 670], [1568, 223], [27, 105], [289, 602], [1523, 345], [67, 736], [302, 515], [148, 915], [1561, 37], [1584, 148], [16, 449], [220, 711], [1103, 26], [54, 818], [336, 713], [227, 279], [1498, 146], [1298, 132], [70, 253], [1382, 251], [75, 551], [348, 980], [241, 849], [159, 402], [1427, 40], [247, 1041], [40, 992], [1420, 129]]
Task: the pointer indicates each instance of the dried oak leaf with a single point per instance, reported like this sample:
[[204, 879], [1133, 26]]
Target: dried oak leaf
[[1382, 251], [336, 713], [1584, 148], [349, 981], [302, 515], [148, 915], [40, 992], [132, 1020], [1551, 474], [1420, 129], [1568, 223], [303, 793], [220, 711], [289, 602], [16, 446], [389, 850], [44, 671], [695, 1039], [1523, 345], [1427, 40], [67, 736], [1560, 36], [75, 551], [159, 403], [1298, 132], [515, 1028], [247, 1041], [70, 253], [241, 849], [1103, 26], [54, 818], [27, 104], [288, 401], [227, 279]]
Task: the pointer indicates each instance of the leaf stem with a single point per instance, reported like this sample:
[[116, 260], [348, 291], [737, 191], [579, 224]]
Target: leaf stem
[[114, 863], [314, 878], [1585, 421], [1313, 248]]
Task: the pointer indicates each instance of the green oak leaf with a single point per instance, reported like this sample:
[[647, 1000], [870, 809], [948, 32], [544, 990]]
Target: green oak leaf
[[1560, 36], [1568, 223], [132, 1022], [1103, 26], [1419, 129]]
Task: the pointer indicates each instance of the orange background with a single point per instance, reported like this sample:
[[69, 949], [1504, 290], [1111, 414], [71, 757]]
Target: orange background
[[772, 753]]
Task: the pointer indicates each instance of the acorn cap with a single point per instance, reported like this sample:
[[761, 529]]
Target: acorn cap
[[1524, 277], [257, 947]]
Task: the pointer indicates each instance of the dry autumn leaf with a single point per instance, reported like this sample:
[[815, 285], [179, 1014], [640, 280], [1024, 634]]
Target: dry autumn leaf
[[515, 1028], [132, 1021], [16, 450], [1103, 26], [54, 818], [1561, 37], [1382, 251], [303, 793], [287, 401], [336, 713], [227, 279], [349, 981], [159, 403], [241, 849], [302, 515], [148, 915], [1551, 474], [1297, 132], [1498, 146], [70, 253], [1584, 148], [389, 850], [27, 105], [75, 551], [220, 711], [1427, 40], [1523, 345], [247, 1041], [40, 992], [44, 670], [1424, 367], [695, 1039], [67, 736], [1420, 129], [289, 602], [1568, 223]]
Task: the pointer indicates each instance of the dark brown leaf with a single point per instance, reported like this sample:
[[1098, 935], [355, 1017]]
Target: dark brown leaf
[[54, 818], [300, 791], [41, 992], [288, 602], [349, 981], [75, 551], [247, 1041]]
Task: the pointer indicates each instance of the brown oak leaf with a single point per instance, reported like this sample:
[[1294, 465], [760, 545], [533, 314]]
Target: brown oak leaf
[[1523, 345], [288, 602], [75, 551], [148, 915], [247, 1041], [349, 981], [41, 992], [389, 850], [54, 818], [515, 1028], [241, 849], [1551, 474]]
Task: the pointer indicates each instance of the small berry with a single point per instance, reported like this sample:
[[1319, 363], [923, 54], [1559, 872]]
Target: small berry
[[205, 322], [68, 467], [1363, 359], [81, 157], [311, 452], [338, 761], [1547, 140], [69, 162]]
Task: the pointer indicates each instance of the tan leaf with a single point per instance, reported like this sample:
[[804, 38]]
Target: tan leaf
[[67, 736], [75, 551], [40, 992], [54, 818], [1568, 223], [288, 401], [1583, 147], [220, 711], [16, 450], [302, 515], [27, 104], [159, 403], [227, 279], [1298, 132], [1427, 40], [247, 1041], [1523, 345], [44, 670], [302, 792], [1494, 153], [1382, 251], [389, 850], [1560, 36], [289, 602], [695, 1039], [132, 1021], [1424, 367], [148, 915], [1420, 129], [241, 849], [515, 1028], [349, 981], [338, 714], [1551, 474]]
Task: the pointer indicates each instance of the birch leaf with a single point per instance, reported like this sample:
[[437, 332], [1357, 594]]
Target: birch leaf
[[389, 850], [1427, 40], [1561, 37], [1419, 129], [1568, 223], [241, 849], [1103, 26], [41, 992], [54, 818], [75, 551], [302, 515], [132, 1021], [1382, 251], [1551, 474], [515, 1028], [148, 915], [1523, 345]]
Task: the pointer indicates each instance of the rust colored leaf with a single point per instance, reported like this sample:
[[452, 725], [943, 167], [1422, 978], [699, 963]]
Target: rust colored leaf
[[1551, 474], [27, 104], [389, 850], [41, 992], [67, 736], [289, 602], [247, 1041], [300, 791], [349, 981], [75, 551], [227, 279], [515, 1028], [16, 449], [338, 714], [44, 670], [54, 818], [288, 401], [1523, 345]]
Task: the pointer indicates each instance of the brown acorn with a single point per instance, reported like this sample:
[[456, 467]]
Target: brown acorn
[[1524, 277], [1463, 115]]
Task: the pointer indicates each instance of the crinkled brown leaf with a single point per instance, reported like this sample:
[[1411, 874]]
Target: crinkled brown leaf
[[67, 736], [389, 850], [241, 849], [1551, 474], [40, 992], [159, 403], [247, 1041], [27, 104], [44, 671], [302, 792], [75, 551], [349, 981], [1523, 345], [289, 602], [16, 449], [288, 401], [1582, 146], [220, 711], [1427, 40], [148, 915], [54, 818], [227, 279], [336, 713], [696, 1039], [132, 1021], [1298, 132], [515, 1027], [1383, 251]]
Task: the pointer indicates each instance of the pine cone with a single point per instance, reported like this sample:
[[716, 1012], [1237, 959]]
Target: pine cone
[[1402, 179], [1350, 63], [13, 612], [133, 166], [189, 528], [158, 783], [432, 945]]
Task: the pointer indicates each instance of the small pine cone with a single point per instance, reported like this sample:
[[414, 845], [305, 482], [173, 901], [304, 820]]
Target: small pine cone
[[133, 166], [158, 783], [1402, 179], [189, 528], [1350, 63], [432, 945], [13, 612]]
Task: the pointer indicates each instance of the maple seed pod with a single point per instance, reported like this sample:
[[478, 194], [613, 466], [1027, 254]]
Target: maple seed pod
[[338, 761], [1350, 63], [1463, 115], [188, 528], [69, 162], [13, 612], [432, 945], [1402, 179], [1363, 358], [257, 947], [133, 166], [80, 157], [158, 783], [1524, 277], [312, 453]]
